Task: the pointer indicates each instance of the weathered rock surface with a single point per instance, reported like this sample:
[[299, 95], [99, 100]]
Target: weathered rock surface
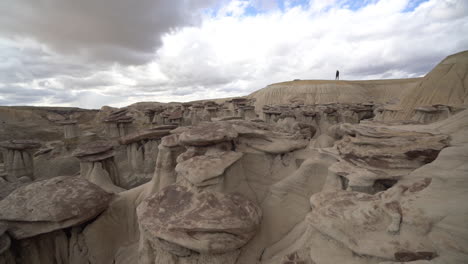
[[19, 144], [48, 205], [207, 222], [95, 151], [199, 170], [377, 153], [207, 134], [18, 158], [152, 133]]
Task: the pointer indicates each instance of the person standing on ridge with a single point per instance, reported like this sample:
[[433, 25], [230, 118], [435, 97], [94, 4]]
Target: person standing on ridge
[[337, 77]]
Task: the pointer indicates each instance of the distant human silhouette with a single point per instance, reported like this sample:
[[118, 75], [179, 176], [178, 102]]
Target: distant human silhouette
[[337, 77]]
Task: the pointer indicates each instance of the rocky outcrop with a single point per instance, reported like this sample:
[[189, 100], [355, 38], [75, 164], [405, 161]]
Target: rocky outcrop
[[48, 205], [18, 158], [204, 169], [205, 222], [311, 92], [97, 165], [372, 154], [444, 85], [164, 172], [142, 151], [118, 122], [207, 134], [320, 116]]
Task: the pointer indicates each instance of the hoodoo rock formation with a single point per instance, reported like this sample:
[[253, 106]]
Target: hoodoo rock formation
[[70, 128], [142, 151], [18, 160], [98, 166], [310, 172], [117, 123]]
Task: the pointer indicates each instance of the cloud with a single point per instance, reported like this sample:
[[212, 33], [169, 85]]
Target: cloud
[[238, 47], [108, 30]]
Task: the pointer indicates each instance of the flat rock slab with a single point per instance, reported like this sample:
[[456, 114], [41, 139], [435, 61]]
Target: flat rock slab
[[206, 222], [94, 151], [66, 122], [199, 169], [20, 144], [206, 134], [55, 199], [144, 135]]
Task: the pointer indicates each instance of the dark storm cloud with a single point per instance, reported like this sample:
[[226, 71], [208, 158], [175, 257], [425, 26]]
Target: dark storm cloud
[[107, 30]]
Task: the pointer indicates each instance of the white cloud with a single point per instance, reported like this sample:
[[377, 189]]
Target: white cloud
[[231, 53]]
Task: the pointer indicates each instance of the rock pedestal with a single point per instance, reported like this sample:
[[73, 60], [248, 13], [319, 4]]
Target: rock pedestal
[[97, 165], [142, 150], [196, 113], [117, 123], [70, 128], [164, 172], [18, 158], [247, 112]]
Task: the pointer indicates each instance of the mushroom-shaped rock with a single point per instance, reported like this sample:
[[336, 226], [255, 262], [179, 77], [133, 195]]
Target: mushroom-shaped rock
[[206, 222], [52, 204], [70, 128], [201, 170], [18, 158], [95, 151], [206, 134], [117, 123], [97, 165]]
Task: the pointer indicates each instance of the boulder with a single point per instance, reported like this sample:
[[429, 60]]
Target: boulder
[[47, 205], [206, 222]]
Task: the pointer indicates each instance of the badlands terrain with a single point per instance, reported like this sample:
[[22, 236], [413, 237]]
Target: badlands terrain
[[299, 172]]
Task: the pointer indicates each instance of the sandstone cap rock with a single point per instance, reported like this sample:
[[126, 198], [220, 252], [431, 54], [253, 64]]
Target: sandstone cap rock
[[176, 115], [20, 144], [152, 133], [95, 151], [66, 122], [47, 205], [119, 116], [209, 133], [206, 222], [199, 170]]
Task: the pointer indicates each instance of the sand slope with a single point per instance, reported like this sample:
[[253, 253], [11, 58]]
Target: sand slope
[[446, 84], [327, 91]]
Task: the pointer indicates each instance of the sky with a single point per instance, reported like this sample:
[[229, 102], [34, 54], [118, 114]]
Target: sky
[[91, 53]]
